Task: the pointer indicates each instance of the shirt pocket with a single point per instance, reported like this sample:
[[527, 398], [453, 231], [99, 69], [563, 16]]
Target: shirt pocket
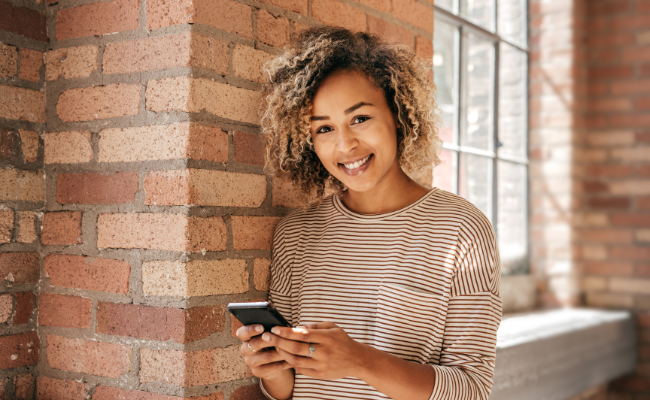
[[409, 324]]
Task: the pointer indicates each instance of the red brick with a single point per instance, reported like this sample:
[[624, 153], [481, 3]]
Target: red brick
[[63, 310], [610, 39], [424, 48], [88, 357], [159, 323], [333, 12], [253, 232], [20, 268], [24, 386], [6, 307], [414, 13], [643, 170], [56, 389], [30, 65], [644, 71], [272, 30], [19, 350], [262, 274], [22, 104], [609, 105], [25, 302], [594, 187], [606, 9], [609, 268], [112, 393], [607, 235], [643, 203], [99, 102], [70, 62], [630, 22], [642, 104], [389, 32], [643, 270], [630, 120], [234, 326], [160, 52], [630, 253], [227, 15], [97, 19], [643, 5], [298, 6], [62, 227], [379, 5], [611, 170], [96, 188], [7, 140], [89, 273], [631, 86], [249, 148], [250, 392], [635, 54], [643, 137], [23, 21], [6, 225]]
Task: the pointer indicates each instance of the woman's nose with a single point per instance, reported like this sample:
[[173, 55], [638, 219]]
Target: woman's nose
[[346, 140]]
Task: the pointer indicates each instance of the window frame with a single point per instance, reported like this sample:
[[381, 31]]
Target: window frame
[[463, 25]]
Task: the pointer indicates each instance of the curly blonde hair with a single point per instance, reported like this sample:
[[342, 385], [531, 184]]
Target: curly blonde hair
[[294, 77]]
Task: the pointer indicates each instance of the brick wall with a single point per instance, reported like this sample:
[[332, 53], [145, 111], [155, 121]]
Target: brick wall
[[155, 211], [616, 179], [23, 40], [590, 179]]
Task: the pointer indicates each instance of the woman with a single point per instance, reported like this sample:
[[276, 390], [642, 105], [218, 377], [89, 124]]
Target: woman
[[394, 288]]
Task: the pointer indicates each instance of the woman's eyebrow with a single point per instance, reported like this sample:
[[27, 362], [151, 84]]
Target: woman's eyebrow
[[354, 107], [348, 111]]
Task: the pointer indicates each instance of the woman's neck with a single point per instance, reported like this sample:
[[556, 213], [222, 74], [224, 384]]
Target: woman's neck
[[399, 193]]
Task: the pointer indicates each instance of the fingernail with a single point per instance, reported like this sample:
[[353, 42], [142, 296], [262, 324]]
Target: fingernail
[[258, 328], [266, 337], [276, 331]]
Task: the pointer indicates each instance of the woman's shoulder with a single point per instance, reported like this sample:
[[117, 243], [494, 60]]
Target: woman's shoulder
[[467, 216], [307, 215]]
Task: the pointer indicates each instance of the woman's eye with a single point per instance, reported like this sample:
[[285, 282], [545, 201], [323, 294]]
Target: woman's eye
[[360, 119], [323, 129]]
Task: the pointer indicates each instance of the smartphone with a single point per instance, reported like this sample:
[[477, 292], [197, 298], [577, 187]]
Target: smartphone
[[258, 313]]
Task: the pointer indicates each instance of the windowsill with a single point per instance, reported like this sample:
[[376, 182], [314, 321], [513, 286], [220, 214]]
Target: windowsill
[[557, 354]]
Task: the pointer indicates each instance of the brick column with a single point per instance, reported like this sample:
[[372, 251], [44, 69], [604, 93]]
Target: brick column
[[155, 209], [23, 40], [557, 90]]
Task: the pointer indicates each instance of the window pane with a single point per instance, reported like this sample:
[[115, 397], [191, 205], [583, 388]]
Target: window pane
[[512, 102], [445, 71], [511, 224], [511, 20], [475, 181], [478, 93], [481, 12], [448, 4], [444, 173]]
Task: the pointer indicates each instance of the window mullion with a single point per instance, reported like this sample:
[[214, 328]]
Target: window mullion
[[495, 137], [459, 100]]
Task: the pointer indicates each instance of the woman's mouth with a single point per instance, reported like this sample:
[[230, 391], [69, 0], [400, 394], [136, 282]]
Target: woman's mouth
[[356, 167]]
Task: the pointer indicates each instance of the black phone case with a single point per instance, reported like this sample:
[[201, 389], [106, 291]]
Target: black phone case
[[267, 317]]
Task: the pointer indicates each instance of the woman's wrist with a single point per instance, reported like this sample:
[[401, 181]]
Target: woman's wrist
[[281, 385]]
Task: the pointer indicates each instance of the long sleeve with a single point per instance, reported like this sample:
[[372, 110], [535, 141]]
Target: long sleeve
[[468, 354], [280, 290]]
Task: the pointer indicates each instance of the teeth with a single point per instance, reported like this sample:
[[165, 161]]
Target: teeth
[[358, 163]]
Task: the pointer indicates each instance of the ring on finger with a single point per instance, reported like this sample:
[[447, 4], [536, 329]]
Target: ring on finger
[[311, 349], [250, 348]]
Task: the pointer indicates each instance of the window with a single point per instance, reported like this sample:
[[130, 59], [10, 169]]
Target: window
[[480, 68]]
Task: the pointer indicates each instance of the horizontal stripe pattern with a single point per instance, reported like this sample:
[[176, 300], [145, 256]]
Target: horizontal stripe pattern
[[421, 283]]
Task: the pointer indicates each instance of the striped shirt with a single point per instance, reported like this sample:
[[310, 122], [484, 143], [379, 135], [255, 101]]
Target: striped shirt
[[421, 283]]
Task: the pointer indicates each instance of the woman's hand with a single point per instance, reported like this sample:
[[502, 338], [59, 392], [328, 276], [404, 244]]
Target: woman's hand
[[335, 354], [264, 364]]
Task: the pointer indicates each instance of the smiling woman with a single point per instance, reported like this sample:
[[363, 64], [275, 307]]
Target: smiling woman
[[393, 289]]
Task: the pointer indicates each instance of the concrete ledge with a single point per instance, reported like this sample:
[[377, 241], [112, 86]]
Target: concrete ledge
[[557, 354]]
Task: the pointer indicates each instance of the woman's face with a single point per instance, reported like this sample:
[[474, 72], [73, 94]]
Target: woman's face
[[354, 131]]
